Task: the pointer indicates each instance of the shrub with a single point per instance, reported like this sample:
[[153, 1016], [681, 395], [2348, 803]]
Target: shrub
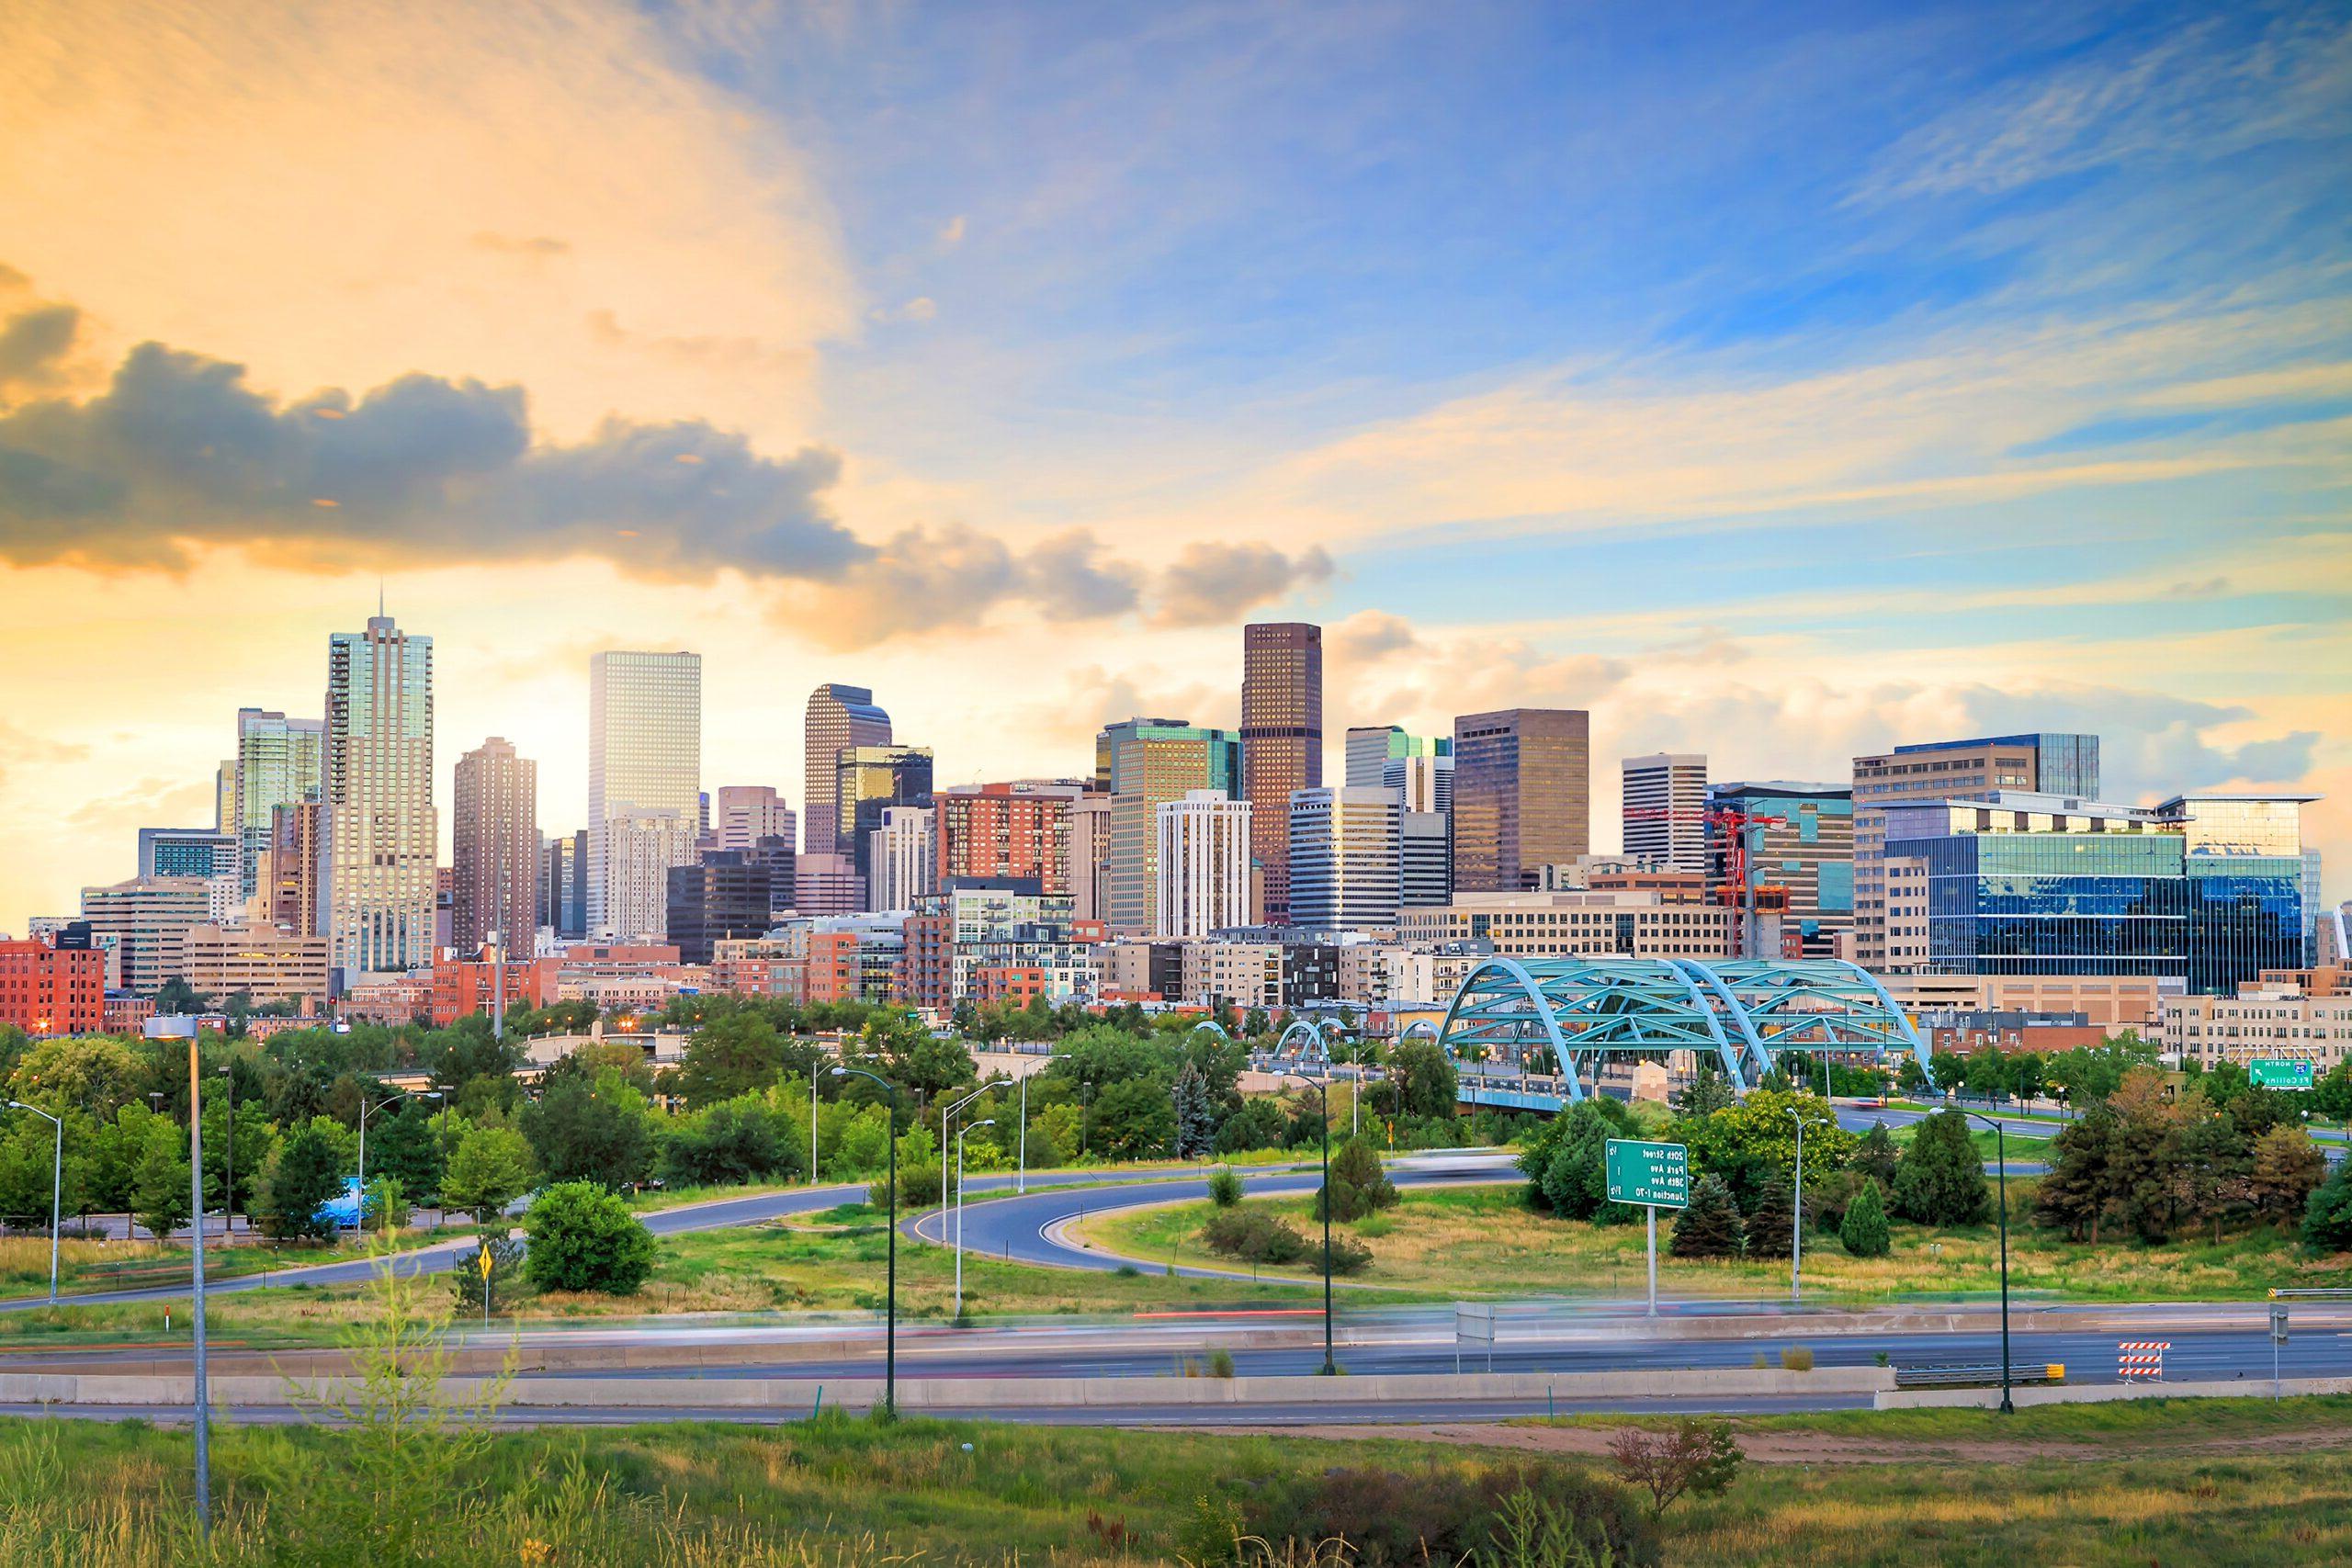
[[1220, 1363], [1796, 1359], [584, 1238], [2327, 1215], [1359, 1185], [1225, 1188], [1710, 1227], [921, 1184], [1253, 1235], [1864, 1231], [1388, 1518], [1348, 1256], [1694, 1456]]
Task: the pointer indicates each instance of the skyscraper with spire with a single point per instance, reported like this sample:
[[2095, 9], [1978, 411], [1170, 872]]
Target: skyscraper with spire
[[379, 832]]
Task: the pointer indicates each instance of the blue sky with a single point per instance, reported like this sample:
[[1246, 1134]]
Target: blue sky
[[1780, 382]]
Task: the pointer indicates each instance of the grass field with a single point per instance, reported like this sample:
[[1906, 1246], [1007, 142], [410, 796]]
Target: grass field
[[1483, 1242], [2224, 1482], [134, 1264]]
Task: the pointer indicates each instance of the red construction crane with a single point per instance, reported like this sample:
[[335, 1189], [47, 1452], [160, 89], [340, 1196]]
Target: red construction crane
[[1730, 824]]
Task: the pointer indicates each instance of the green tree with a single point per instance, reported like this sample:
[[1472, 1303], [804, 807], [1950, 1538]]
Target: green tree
[[1132, 1121], [1710, 1227], [1258, 1124], [917, 1059], [1566, 1163], [1358, 1185], [583, 1238], [736, 1140], [2286, 1167], [734, 1055], [1878, 1158], [2327, 1214], [1745, 1144], [161, 1188], [304, 1173], [590, 1130], [1424, 1082], [406, 1147], [2216, 1179], [1194, 1112], [1940, 1180], [1772, 1221], [2075, 1193], [95, 1073], [1863, 1232], [489, 1169]]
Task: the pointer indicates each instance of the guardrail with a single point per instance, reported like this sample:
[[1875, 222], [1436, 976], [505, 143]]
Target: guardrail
[[1977, 1375], [2311, 1294]]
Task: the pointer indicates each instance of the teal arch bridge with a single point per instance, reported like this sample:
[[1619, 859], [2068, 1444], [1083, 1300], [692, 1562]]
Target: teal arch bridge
[[1746, 1013]]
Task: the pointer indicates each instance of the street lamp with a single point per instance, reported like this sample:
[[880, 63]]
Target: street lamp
[[56, 1188], [984, 1122], [364, 1109], [890, 1320], [2001, 1160], [1796, 1217], [181, 1027], [229, 1177], [1330, 1367]]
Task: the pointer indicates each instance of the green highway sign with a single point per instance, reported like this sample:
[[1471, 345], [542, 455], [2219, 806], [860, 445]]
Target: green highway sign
[[2276, 1073], [1657, 1174]]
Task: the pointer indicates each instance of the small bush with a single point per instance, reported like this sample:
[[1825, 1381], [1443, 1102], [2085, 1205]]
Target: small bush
[[1225, 1188], [1359, 1185], [1348, 1255], [584, 1238], [1694, 1456], [1253, 1235], [1796, 1359], [1220, 1363], [1387, 1518]]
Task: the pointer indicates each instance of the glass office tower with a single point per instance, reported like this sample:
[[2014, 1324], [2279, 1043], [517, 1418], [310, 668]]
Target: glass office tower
[[644, 760]]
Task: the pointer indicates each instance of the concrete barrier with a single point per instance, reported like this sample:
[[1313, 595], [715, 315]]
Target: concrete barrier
[[980, 1394], [2105, 1392]]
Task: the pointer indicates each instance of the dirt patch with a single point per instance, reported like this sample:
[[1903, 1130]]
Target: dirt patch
[[1770, 1447]]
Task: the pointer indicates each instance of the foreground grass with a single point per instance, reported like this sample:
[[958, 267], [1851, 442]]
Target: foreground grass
[[2114, 1427], [1483, 1242], [121, 1265], [849, 1491]]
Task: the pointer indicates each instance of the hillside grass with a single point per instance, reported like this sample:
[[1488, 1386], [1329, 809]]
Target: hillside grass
[[1483, 1241]]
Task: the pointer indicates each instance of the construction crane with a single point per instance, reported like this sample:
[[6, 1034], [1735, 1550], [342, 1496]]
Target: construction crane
[[1728, 825]]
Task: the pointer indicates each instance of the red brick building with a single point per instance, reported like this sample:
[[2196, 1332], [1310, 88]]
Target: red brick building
[[1006, 829], [461, 987], [48, 990]]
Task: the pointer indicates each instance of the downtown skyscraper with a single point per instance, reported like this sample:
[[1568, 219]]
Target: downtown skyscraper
[[1282, 741], [644, 763], [494, 849], [278, 763], [1521, 796], [837, 719], [380, 837]]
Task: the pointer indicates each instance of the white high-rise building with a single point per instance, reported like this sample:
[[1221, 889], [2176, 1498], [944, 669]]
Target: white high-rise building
[[380, 834], [1665, 810], [904, 857], [1345, 858], [644, 758], [1204, 882], [278, 763], [641, 848], [744, 814]]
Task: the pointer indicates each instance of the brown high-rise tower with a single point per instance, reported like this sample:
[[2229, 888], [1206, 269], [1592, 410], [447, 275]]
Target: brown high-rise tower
[[1521, 796], [494, 849], [1282, 741]]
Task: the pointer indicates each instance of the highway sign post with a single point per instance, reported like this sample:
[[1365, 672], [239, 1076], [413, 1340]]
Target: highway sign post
[[2278, 1072], [2278, 1338], [1655, 1175], [1473, 1322]]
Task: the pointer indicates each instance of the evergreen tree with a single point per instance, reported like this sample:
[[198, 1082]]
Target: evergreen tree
[[2075, 1193], [1359, 1185], [2327, 1215], [1710, 1227], [1878, 1158], [1195, 1114], [2216, 1170], [1940, 1180], [160, 1188], [1864, 1232], [1771, 1223], [305, 1173], [2286, 1167]]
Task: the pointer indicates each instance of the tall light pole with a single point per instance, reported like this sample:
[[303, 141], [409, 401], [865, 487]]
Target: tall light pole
[[2001, 1160], [1330, 1367], [890, 1320], [1796, 1217], [229, 1177], [56, 1188], [984, 1122], [364, 1109], [181, 1027], [946, 1135]]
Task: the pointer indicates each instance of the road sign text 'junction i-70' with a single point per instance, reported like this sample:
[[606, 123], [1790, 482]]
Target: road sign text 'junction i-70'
[[1640, 1172]]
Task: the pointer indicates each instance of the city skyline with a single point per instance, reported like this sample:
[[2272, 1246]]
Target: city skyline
[[1809, 421]]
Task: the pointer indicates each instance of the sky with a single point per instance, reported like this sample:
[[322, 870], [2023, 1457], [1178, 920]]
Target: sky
[[1780, 382]]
